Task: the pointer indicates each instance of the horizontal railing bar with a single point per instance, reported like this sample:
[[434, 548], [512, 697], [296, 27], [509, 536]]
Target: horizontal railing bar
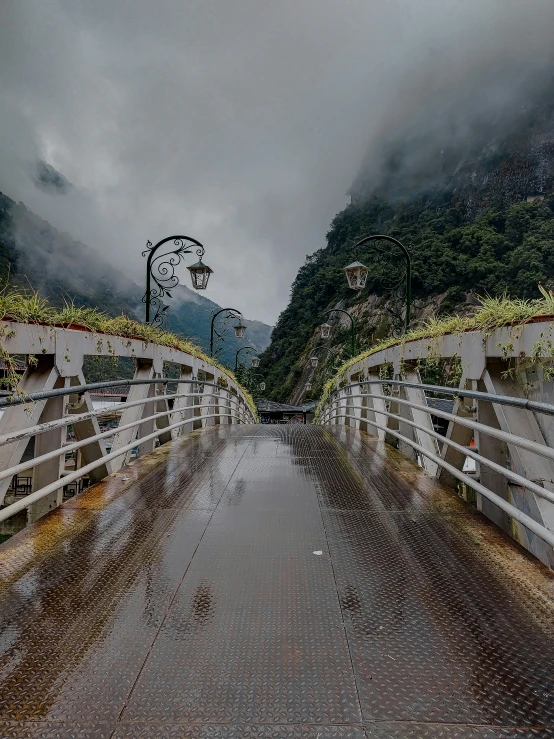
[[90, 439], [69, 420], [517, 479], [531, 446], [25, 502], [541, 531], [78, 389], [530, 405]]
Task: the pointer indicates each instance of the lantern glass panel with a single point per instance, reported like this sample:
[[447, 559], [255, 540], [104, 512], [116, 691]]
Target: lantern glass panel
[[262, 386], [255, 362]]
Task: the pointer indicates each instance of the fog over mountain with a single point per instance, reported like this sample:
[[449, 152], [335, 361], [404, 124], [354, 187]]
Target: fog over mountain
[[244, 123]]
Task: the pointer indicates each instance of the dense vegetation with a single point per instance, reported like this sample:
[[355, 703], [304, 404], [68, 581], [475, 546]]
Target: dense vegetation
[[506, 249]]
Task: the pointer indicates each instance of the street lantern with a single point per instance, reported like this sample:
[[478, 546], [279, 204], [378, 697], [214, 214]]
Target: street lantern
[[255, 362], [308, 386], [160, 273], [262, 386], [240, 328], [200, 274], [325, 330], [314, 361], [356, 274]]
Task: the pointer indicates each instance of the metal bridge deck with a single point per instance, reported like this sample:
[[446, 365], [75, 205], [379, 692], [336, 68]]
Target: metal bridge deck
[[189, 601]]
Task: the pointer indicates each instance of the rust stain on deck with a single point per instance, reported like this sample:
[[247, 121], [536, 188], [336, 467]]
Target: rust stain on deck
[[186, 601]]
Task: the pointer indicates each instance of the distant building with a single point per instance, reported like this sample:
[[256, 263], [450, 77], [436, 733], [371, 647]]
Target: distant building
[[271, 412]]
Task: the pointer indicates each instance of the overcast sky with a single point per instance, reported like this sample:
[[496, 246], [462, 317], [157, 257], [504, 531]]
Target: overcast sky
[[239, 122]]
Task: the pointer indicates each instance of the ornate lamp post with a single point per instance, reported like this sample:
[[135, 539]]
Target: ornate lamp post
[[255, 361], [239, 328], [160, 270], [325, 328], [261, 386], [356, 273]]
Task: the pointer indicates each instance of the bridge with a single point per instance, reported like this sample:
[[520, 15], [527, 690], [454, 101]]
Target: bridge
[[222, 578]]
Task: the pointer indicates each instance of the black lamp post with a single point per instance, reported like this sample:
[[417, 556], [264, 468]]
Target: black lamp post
[[261, 386], [239, 328], [325, 329], [356, 273], [255, 360], [162, 273]]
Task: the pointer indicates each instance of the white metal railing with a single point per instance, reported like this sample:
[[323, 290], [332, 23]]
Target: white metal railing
[[53, 396], [229, 408], [357, 405]]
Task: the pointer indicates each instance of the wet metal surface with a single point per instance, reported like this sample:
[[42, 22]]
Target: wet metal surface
[[187, 602]]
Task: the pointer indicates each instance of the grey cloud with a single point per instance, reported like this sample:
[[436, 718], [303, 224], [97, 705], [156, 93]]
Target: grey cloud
[[241, 122]]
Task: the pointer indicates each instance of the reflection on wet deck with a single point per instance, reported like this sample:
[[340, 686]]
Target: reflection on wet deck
[[187, 602]]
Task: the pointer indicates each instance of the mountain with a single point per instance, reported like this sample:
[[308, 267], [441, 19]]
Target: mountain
[[34, 255], [477, 218]]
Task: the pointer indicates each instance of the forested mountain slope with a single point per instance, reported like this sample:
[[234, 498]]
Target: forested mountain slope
[[477, 220], [35, 256]]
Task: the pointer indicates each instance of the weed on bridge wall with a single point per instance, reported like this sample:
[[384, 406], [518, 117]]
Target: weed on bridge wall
[[32, 308], [493, 313]]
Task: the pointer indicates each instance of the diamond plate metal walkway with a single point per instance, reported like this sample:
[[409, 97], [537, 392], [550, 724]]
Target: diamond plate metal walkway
[[277, 581]]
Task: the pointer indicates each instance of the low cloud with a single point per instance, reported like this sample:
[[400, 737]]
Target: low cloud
[[242, 123]]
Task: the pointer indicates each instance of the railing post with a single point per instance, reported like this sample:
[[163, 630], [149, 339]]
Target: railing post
[[210, 402], [339, 404], [144, 371], [184, 403], [148, 425], [42, 376], [459, 434], [533, 467], [50, 471], [217, 402], [84, 430], [198, 401], [233, 403], [497, 451], [163, 422], [364, 408], [347, 420], [417, 395], [403, 412]]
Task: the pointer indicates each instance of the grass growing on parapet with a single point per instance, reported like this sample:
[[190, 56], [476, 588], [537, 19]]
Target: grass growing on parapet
[[32, 308], [493, 313]]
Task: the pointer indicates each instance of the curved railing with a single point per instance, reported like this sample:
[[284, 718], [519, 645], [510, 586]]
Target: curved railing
[[52, 396], [495, 444]]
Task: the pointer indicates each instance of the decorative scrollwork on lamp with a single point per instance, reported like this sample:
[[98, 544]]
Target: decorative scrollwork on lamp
[[393, 275], [230, 313], [161, 277]]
